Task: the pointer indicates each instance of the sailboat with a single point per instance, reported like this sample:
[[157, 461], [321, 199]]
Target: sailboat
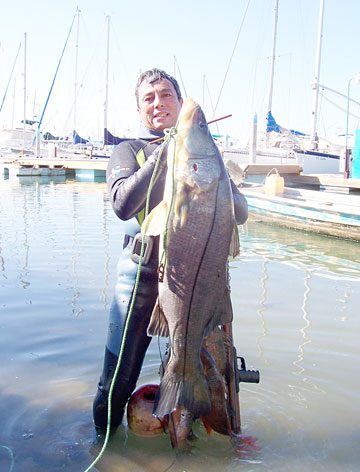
[[18, 140], [76, 146], [286, 146]]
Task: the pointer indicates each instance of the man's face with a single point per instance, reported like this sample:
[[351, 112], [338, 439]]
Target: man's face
[[158, 106]]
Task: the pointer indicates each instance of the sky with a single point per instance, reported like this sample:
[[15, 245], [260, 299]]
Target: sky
[[219, 51]]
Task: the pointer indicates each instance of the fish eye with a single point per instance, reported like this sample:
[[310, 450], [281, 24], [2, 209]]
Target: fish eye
[[195, 167], [201, 125]]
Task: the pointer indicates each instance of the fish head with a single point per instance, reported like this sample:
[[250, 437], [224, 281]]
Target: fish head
[[193, 132], [197, 158]]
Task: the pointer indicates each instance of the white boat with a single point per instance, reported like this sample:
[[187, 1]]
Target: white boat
[[75, 146], [325, 212], [314, 154], [20, 140], [312, 162], [16, 140]]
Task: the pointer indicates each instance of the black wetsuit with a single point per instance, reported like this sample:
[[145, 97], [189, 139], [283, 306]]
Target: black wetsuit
[[128, 185]]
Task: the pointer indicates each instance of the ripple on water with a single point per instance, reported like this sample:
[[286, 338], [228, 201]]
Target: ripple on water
[[295, 299]]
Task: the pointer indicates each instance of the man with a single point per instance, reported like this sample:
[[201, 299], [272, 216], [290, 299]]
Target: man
[[128, 177]]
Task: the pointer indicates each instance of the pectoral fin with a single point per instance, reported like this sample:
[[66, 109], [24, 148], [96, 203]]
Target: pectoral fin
[[234, 249], [182, 205], [158, 325], [155, 223]]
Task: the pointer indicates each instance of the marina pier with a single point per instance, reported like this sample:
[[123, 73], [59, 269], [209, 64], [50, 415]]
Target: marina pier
[[85, 168]]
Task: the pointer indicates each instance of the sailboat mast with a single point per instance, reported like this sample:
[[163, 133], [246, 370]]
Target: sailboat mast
[[13, 105], [76, 67], [24, 127], [314, 137], [272, 68], [106, 75], [12, 70]]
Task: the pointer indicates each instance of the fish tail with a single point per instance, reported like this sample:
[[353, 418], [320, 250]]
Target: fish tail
[[196, 396], [167, 397], [193, 394]]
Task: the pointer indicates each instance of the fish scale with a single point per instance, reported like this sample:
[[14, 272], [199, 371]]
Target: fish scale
[[197, 216]]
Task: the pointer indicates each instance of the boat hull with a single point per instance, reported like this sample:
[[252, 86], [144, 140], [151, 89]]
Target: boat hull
[[312, 162], [326, 213]]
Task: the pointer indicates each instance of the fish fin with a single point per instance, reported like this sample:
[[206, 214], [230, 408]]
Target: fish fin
[[155, 222], [223, 313], [208, 428], [228, 311], [167, 397], [182, 205], [158, 325], [193, 394], [184, 214], [234, 249]]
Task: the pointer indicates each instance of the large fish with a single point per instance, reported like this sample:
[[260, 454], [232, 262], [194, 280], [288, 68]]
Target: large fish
[[218, 372], [197, 229]]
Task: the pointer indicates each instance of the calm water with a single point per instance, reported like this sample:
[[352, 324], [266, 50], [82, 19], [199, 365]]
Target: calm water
[[296, 300]]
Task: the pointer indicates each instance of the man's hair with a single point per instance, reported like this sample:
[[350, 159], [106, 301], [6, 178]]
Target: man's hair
[[153, 75]]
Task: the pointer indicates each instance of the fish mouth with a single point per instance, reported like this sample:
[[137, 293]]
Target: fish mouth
[[195, 132], [193, 112], [195, 115]]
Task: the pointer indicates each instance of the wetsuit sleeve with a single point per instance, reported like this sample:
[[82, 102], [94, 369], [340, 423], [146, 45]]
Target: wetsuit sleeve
[[240, 205], [127, 182]]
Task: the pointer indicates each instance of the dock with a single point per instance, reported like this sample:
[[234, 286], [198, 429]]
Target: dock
[[82, 168], [326, 181], [87, 168], [293, 177]]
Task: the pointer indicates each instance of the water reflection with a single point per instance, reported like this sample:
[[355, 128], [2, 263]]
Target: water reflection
[[37, 180], [106, 240], [295, 296], [262, 309], [327, 255], [308, 284], [77, 310], [305, 328]]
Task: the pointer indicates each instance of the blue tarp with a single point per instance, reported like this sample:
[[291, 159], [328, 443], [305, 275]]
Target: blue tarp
[[110, 140], [78, 139], [273, 126]]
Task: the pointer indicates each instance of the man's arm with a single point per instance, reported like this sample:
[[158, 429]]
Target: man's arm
[[127, 182]]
